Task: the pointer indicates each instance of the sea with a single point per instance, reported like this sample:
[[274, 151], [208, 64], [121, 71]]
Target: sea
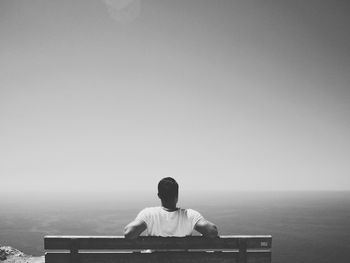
[[306, 226]]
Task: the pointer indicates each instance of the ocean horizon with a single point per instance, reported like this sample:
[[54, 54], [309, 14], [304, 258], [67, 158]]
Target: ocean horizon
[[306, 226]]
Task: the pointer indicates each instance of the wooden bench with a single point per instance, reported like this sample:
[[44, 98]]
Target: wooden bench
[[113, 249]]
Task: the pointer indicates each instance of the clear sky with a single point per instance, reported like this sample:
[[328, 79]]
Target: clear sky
[[222, 95]]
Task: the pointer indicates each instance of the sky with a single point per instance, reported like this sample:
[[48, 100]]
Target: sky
[[113, 95]]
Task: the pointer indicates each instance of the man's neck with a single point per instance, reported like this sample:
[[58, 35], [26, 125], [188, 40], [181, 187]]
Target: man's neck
[[169, 208]]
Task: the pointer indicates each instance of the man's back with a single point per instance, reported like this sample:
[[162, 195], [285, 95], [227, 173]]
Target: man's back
[[161, 222]]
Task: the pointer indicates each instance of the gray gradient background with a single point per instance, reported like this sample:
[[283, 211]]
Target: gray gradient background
[[222, 95]]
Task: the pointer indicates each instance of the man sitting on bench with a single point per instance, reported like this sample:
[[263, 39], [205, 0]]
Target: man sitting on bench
[[169, 220]]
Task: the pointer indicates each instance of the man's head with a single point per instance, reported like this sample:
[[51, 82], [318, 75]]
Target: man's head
[[168, 191]]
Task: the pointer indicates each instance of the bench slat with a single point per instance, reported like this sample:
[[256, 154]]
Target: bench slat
[[259, 257], [169, 257], [162, 257], [191, 242]]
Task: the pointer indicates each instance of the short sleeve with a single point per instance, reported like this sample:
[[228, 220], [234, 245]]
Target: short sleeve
[[194, 216], [144, 216]]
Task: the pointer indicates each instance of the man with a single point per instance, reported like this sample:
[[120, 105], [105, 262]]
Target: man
[[168, 219]]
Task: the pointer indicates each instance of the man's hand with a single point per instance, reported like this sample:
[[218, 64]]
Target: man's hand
[[134, 229], [206, 228]]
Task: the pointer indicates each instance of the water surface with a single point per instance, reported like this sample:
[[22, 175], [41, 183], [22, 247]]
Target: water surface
[[306, 226]]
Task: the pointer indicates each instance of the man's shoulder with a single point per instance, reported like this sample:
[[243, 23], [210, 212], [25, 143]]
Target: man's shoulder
[[189, 211], [152, 209]]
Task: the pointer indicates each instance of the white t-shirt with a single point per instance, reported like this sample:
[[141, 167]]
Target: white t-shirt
[[163, 223]]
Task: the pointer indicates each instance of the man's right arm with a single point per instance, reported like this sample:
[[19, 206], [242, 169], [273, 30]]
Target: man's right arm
[[206, 228], [134, 229]]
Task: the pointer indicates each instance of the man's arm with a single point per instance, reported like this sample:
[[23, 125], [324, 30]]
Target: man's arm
[[206, 228], [134, 229]]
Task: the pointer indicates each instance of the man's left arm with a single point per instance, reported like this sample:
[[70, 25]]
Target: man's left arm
[[203, 226], [206, 228]]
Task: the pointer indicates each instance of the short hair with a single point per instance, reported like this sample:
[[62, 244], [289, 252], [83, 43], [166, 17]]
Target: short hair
[[168, 189]]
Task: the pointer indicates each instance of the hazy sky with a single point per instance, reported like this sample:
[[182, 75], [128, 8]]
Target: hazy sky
[[222, 95]]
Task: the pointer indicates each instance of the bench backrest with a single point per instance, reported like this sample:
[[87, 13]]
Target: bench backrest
[[112, 249]]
